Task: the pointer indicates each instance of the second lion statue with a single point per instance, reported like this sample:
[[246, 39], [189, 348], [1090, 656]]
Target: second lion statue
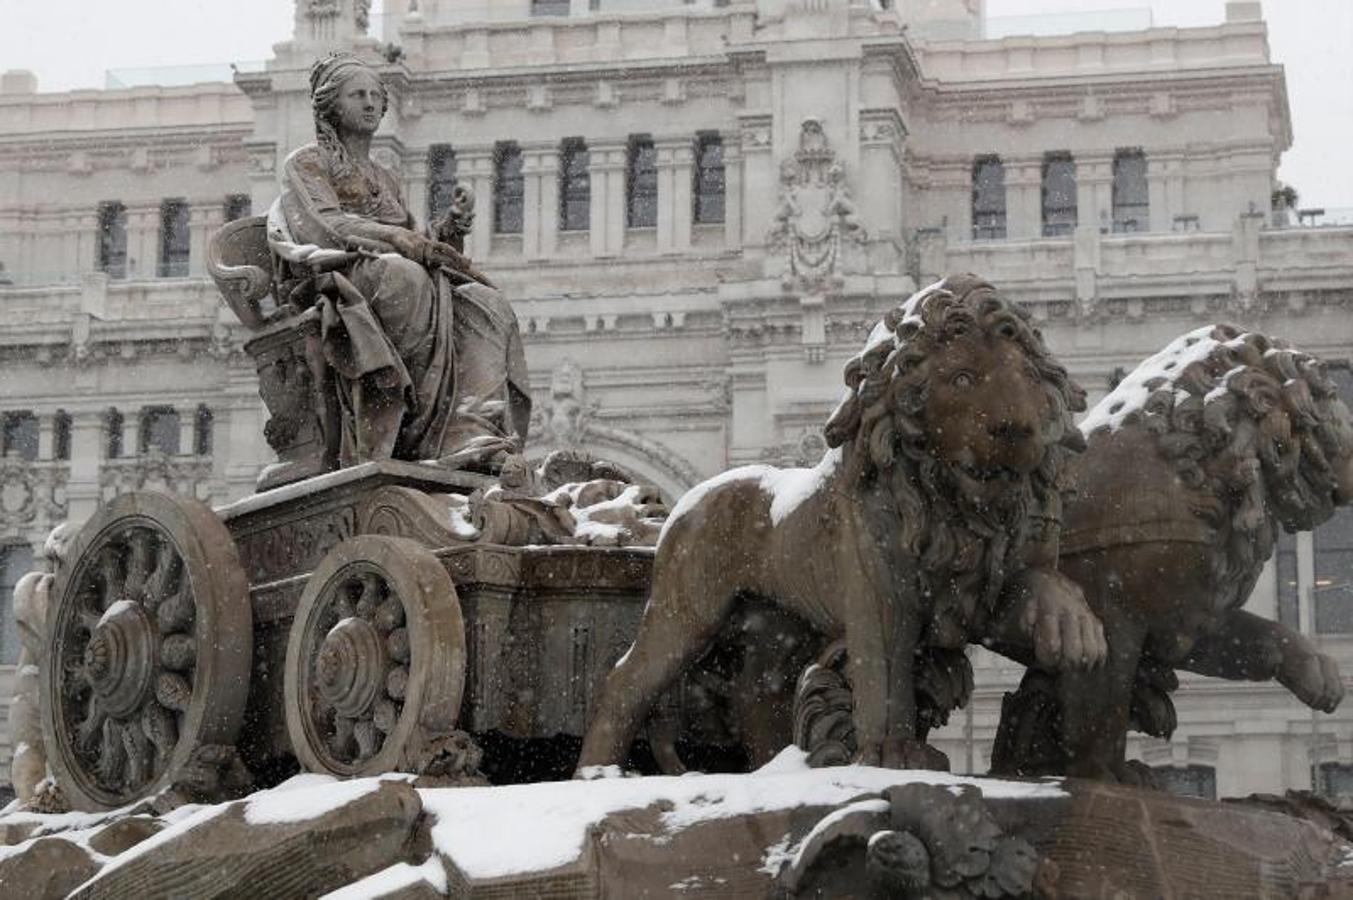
[[931, 521]]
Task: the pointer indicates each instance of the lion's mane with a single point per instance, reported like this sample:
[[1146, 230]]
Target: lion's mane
[[1205, 416], [964, 548]]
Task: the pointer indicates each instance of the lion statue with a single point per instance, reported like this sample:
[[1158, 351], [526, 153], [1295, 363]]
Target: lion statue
[[1193, 463], [930, 521]]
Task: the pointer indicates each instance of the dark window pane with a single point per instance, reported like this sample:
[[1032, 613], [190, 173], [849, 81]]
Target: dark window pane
[[202, 431], [1333, 593], [710, 183], [61, 435], [160, 429], [1059, 195], [575, 186], [1188, 781], [507, 190], [113, 433], [988, 198], [1334, 782], [113, 239], [641, 184], [1286, 566], [21, 435], [237, 206], [441, 179], [16, 561], [1131, 206], [549, 7], [173, 239]]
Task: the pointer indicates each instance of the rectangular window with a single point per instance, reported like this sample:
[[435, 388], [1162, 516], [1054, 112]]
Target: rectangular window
[[1334, 782], [202, 431], [507, 189], [238, 206], [16, 561], [1188, 781], [112, 423], [113, 239], [710, 182], [549, 7], [1332, 596], [988, 199], [21, 435], [1059, 195], [173, 239], [1285, 565], [641, 183], [575, 186], [1131, 203], [61, 435], [160, 429], [441, 180]]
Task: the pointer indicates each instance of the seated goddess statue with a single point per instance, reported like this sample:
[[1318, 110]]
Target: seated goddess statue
[[426, 354]]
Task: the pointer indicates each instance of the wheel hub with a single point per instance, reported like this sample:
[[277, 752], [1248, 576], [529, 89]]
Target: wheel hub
[[120, 659], [350, 666]]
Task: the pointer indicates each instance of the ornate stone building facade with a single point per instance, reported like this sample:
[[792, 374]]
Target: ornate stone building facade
[[698, 210]]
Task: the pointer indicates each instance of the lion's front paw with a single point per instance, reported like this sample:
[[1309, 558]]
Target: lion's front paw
[[1314, 678], [1065, 633], [903, 753]]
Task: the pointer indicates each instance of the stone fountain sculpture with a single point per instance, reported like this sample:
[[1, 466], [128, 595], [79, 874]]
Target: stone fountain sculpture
[[1195, 462], [931, 522]]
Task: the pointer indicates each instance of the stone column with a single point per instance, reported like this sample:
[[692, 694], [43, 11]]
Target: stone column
[[416, 187], [87, 247], [732, 200], [760, 179], [204, 219], [540, 166], [1094, 191], [606, 167], [86, 456], [46, 432], [475, 166], [1023, 198], [187, 422], [675, 156], [143, 234], [131, 432]]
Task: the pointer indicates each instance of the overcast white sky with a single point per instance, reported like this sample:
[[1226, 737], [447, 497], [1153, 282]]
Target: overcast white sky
[[70, 43]]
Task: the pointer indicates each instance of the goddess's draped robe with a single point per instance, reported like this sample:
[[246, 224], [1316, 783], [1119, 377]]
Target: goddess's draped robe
[[424, 368]]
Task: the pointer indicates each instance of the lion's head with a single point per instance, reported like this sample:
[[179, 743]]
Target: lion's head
[[957, 406], [1250, 420]]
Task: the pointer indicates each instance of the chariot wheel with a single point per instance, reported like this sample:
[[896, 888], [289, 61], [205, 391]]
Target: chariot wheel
[[149, 649], [376, 658]]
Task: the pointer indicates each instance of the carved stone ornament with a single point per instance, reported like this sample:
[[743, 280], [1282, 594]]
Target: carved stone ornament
[[916, 840], [816, 223], [154, 469], [32, 494], [563, 422]]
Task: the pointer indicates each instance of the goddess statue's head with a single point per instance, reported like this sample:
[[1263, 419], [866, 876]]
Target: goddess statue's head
[[346, 95]]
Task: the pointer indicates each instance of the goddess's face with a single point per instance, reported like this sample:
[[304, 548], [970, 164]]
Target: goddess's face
[[361, 102]]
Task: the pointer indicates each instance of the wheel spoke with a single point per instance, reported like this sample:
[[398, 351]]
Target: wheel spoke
[[138, 749], [340, 743], [110, 570], [91, 729], [178, 652], [167, 576], [176, 613], [141, 547], [88, 620], [370, 596], [367, 741], [173, 691], [112, 755], [161, 728]]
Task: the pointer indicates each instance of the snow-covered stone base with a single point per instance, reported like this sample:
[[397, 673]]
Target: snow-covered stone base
[[720, 835]]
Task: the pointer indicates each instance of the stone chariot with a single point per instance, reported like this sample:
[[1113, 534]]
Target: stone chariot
[[357, 619]]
